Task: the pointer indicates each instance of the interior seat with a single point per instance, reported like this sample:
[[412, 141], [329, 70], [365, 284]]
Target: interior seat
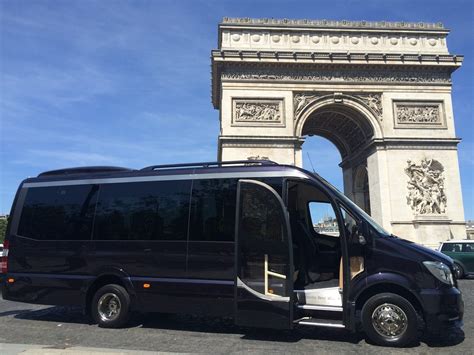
[[306, 257]]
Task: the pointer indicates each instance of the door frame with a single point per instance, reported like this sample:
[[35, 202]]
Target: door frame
[[289, 277], [348, 318]]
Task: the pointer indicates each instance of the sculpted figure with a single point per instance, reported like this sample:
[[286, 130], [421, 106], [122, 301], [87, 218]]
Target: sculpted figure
[[426, 187]]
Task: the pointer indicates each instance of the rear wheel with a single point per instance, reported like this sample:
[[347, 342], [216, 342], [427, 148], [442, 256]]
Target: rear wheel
[[390, 320], [110, 306], [458, 271]]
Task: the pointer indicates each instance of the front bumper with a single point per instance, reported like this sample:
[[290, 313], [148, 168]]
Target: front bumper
[[443, 308]]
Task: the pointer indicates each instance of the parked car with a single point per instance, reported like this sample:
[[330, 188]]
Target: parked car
[[462, 252]]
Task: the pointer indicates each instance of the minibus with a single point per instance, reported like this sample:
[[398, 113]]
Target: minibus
[[271, 245]]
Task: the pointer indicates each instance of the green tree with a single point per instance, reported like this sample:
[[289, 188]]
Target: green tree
[[3, 229]]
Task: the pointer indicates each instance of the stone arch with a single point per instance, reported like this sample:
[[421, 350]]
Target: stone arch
[[361, 188], [349, 108], [352, 127]]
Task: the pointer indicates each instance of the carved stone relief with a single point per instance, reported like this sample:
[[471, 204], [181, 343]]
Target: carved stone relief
[[372, 100], [426, 193], [333, 75], [257, 111], [302, 100], [410, 114], [257, 157]]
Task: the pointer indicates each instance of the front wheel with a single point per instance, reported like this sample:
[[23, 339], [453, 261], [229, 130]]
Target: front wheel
[[458, 271], [110, 306], [390, 320]]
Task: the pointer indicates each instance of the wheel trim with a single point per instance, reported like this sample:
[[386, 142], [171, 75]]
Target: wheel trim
[[457, 271], [389, 321], [109, 307]]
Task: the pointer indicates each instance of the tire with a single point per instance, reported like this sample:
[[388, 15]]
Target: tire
[[390, 320], [110, 306], [458, 271]]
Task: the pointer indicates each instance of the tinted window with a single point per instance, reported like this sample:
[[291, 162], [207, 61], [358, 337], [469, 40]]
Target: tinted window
[[263, 241], [143, 211], [275, 182], [213, 210], [58, 213], [261, 215], [452, 247], [468, 248]]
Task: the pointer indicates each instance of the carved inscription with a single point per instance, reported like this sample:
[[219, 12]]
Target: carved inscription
[[257, 111], [418, 114], [426, 193]]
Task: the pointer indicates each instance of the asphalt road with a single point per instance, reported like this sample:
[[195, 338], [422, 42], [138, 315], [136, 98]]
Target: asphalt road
[[64, 327]]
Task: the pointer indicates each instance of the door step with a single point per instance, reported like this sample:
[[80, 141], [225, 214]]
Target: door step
[[314, 307], [330, 297], [315, 322]]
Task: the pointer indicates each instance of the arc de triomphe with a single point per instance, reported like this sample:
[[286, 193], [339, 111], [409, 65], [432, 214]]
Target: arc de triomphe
[[380, 91]]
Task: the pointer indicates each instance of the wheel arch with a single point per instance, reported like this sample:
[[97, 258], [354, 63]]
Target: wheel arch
[[384, 287], [460, 263], [106, 277]]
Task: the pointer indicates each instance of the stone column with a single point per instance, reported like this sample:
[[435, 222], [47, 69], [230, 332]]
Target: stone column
[[380, 195]]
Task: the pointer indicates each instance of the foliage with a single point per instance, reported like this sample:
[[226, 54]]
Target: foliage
[[3, 229]]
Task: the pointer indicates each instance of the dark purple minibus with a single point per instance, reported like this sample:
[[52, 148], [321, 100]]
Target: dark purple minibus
[[271, 245]]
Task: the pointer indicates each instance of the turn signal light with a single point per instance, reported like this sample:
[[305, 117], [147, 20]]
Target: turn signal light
[[11, 280], [146, 285]]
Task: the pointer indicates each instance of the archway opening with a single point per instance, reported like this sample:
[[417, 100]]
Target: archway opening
[[336, 137]]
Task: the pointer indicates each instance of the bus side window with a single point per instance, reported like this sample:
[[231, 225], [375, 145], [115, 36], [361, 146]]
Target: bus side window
[[143, 211], [213, 210], [323, 218], [58, 212]]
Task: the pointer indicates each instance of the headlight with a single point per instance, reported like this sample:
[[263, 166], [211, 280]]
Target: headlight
[[440, 271]]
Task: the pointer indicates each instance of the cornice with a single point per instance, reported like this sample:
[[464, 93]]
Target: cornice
[[336, 58], [417, 143], [342, 24], [260, 138]]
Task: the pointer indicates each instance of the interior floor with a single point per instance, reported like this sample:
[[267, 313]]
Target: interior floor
[[322, 284]]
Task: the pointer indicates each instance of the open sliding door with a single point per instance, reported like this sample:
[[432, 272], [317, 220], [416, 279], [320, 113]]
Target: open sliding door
[[264, 259]]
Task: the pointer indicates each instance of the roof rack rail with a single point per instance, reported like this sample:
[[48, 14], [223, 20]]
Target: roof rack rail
[[209, 164], [85, 170]]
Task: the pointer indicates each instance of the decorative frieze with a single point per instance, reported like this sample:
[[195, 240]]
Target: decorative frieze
[[373, 101], [330, 75], [257, 157], [257, 112], [426, 194], [412, 114]]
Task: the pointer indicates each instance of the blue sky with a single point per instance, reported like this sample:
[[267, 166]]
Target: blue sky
[[128, 82]]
